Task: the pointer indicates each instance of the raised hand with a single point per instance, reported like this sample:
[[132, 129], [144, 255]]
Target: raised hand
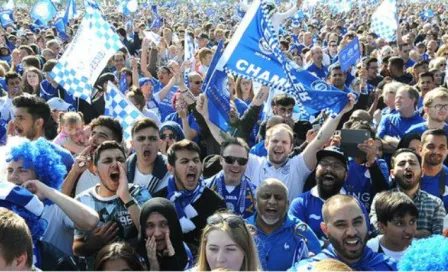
[[169, 251]]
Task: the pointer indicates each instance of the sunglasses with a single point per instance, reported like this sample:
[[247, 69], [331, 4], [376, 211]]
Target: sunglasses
[[233, 221], [164, 136], [231, 160]]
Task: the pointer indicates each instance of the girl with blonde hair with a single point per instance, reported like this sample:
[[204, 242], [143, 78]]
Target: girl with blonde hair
[[227, 243]]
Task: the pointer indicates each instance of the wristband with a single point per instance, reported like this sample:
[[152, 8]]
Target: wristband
[[130, 203]]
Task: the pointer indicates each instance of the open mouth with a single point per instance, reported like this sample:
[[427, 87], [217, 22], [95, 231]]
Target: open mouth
[[408, 175], [146, 153], [329, 180], [115, 176], [191, 177], [234, 171], [270, 211], [278, 153], [352, 243], [19, 131]]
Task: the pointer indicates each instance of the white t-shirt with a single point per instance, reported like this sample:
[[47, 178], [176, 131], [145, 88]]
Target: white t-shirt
[[86, 181], [374, 245], [144, 180], [60, 229], [293, 173]]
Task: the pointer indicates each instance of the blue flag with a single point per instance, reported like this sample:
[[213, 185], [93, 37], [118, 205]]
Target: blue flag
[[60, 28], [119, 107], [350, 54], [43, 10], [6, 18], [123, 82], [216, 89], [258, 57], [157, 23], [70, 12]]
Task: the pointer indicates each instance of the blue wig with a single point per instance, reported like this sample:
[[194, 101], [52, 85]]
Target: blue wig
[[40, 156], [430, 254]]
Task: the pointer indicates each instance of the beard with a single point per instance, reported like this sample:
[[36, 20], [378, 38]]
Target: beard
[[348, 255], [434, 160], [404, 184], [326, 192]]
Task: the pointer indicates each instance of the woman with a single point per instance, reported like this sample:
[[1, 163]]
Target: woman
[[31, 80], [170, 132], [117, 257], [227, 236], [244, 90], [161, 240]]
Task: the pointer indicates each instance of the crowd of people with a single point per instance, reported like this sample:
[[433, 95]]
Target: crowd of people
[[276, 191]]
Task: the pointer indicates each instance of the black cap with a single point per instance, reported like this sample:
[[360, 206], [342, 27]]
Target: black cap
[[332, 151], [203, 36]]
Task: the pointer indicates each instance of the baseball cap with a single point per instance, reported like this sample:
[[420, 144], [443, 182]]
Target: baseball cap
[[59, 104], [203, 36], [332, 151]]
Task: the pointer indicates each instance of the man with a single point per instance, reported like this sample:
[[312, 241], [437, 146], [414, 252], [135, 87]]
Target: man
[[194, 202], [81, 176], [407, 173], [393, 126], [32, 120], [195, 83], [436, 111], [16, 243], [317, 67], [373, 78], [337, 77], [418, 68], [147, 167], [332, 52], [117, 203], [434, 152], [346, 228], [54, 46], [260, 149], [404, 50], [205, 57], [331, 173], [231, 183], [281, 238], [396, 70], [14, 89], [425, 83], [202, 41], [279, 144]]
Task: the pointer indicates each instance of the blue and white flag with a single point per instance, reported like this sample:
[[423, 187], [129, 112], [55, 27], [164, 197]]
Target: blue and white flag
[[89, 52], [188, 56], [6, 18], [157, 23], [61, 29], [9, 5], [11, 194], [120, 108], [385, 21], [70, 11], [350, 54], [216, 88], [44, 11], [128, 6], [258, 57]]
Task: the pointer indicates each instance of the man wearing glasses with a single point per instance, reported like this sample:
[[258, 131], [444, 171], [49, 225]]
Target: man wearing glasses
[[436, 108], [231, 183]]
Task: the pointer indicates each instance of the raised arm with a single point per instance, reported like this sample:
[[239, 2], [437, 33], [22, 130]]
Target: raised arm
[[326, 131], [144, 58], [202, 108]]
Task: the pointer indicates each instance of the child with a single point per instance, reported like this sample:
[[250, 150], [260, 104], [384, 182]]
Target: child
[[71, 132], [397, 221]]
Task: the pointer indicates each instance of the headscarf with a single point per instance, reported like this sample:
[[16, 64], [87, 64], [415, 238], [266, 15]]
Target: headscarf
[[166, 208], [175, 128]]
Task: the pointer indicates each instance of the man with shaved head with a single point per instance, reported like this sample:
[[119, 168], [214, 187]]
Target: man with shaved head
[[281, 238], [346, 228]]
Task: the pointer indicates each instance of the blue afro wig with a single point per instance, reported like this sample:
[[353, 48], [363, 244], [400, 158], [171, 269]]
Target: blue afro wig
[[40, 156], [430, 254]]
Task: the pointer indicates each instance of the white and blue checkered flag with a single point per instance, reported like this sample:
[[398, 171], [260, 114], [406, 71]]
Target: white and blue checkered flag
[[120, 108], [86, 56], [384, 21]]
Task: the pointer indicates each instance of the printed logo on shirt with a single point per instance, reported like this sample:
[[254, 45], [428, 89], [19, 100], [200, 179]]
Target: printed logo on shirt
[[285, 170], [367, 174], [286, 246], [315, 216]]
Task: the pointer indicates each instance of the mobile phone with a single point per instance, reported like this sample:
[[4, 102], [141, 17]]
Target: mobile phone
[[350, 138]]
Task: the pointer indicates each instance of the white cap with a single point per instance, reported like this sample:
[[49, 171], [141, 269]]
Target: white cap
[[59, 104]]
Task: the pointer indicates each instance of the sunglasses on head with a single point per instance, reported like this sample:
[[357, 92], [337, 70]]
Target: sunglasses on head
[[164, 136], [231, 160], [233, 221]]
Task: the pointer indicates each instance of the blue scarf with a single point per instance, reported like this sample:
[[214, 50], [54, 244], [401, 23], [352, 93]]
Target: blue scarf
[[183, 201], [244, 204]]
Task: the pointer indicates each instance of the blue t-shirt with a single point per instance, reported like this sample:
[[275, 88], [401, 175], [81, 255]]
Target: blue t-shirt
[[409, 64], [308, 208], [241, 106], [422, 127], [395, 126], [165, 105], [431, 185], [47, 91], [191, 121], [281, 249], [320, 73], [359, 183]]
